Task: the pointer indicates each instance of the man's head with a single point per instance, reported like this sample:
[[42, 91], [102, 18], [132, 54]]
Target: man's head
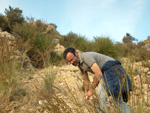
[[71, 56]]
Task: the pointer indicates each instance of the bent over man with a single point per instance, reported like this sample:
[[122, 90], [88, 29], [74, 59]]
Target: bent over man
[[109, 76]]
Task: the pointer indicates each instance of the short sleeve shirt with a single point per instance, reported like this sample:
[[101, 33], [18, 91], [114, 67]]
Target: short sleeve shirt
[[88, 58]]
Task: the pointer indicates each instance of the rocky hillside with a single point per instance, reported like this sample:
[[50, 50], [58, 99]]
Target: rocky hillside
[[8, 40], [64, 89], [146, 44], [70, 89]]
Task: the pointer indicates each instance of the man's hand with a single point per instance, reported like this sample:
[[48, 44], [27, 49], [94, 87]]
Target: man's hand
[[88, 95]]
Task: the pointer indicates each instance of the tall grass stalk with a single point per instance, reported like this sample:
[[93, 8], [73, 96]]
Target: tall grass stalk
[[8, 74], [13, 95], [139, 97]]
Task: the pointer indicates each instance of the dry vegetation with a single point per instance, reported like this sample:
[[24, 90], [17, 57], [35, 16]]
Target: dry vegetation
[[37, 90]]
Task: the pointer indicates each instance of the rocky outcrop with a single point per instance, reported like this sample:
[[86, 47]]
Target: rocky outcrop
[[68, 89], [50, 28], [59, 49], [70, 83], [145, 44], [8, 42]]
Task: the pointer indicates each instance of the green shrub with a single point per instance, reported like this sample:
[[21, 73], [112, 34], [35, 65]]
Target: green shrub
[[128, 38], [55, 58], [134, 51], [17, 94], [39, 45], [76, 41], [24, 31], [40, 52], [3, 23], [81, 43], [127, 49], [40, 25], [14, 15], [9, 74], [49, 80], [43, 43], [7, 67], [66, 41], [105, 46]]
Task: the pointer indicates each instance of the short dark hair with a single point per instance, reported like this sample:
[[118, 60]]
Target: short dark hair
[[72, 50]]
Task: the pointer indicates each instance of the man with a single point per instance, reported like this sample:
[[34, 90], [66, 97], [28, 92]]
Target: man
[[106, 70]]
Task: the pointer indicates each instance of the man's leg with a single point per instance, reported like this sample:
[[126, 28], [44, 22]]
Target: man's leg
[[102, 97], [121, 105], [117, 101]]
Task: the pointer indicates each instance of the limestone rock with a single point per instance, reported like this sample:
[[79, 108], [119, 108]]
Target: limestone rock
[[9, 42], [59, 49], [50, 28], [146, 70], [148, 73]]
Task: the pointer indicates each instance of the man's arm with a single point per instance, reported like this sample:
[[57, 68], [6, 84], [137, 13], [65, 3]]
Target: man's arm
[[86, 81], [98, 74]]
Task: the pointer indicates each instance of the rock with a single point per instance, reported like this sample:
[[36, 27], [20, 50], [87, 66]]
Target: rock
[[137, 81], [148, 73], [148, 79], [15, 55], [143, 79], [138, 63], [146, 70], [50, 28], [59, 49]]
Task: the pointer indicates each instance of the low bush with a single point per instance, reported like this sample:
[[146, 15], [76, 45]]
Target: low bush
[[3, 23], [56, 59], [105, 46], [40, 55], [40, 44], [76, 41]]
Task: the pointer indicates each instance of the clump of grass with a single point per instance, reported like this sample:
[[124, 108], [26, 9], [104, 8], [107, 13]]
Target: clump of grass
[[39, 45], [104, 45], [77, 41], [17, 94], [12, 92], [9, 72], [49, 80], [56, 59], [43, 46]]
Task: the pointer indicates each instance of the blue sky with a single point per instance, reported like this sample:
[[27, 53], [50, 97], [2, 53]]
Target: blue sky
[[90, 18]]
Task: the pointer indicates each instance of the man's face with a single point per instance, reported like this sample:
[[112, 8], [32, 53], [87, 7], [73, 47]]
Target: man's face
[[70, 57]]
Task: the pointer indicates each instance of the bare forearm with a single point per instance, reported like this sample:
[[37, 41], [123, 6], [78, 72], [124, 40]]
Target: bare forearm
[[86, 82], [86, 86], [96, 80], [98, 74]]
